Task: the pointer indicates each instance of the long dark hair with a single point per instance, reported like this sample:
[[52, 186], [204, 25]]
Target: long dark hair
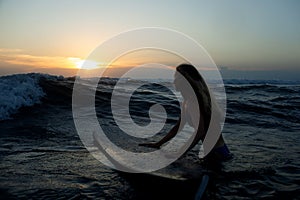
[[200, 88]]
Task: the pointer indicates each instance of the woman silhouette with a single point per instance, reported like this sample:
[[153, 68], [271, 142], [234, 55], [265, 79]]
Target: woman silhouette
[[191, 74]]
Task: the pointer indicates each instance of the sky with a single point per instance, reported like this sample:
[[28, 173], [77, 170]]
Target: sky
[[55, 36]]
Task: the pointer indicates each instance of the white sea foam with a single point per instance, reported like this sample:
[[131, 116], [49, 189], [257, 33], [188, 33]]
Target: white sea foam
[[18, 91]]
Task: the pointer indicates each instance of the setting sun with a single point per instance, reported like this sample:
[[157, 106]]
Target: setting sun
[[84, 64]]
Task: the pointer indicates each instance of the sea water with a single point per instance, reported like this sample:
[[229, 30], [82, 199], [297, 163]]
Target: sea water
[[42, 155]]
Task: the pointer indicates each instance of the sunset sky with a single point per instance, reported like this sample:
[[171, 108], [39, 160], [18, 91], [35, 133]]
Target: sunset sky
[[55, 36]]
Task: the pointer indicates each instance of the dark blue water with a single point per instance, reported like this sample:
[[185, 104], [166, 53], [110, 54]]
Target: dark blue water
[[42, 156]]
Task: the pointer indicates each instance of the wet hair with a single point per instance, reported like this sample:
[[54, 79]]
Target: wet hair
[[200, 88]]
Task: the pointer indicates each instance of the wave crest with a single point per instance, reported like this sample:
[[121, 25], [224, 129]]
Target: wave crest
[[20, 90]]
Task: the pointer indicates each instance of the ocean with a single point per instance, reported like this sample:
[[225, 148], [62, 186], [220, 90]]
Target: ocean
[[42, 156]]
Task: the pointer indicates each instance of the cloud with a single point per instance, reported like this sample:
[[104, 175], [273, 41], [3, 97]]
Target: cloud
[[10, 50], [19, 57]]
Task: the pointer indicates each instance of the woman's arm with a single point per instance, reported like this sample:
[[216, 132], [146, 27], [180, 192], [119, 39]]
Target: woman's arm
[[166, 138], [200, 135]]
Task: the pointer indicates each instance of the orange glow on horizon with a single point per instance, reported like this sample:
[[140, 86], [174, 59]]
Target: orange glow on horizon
[[68, 65]]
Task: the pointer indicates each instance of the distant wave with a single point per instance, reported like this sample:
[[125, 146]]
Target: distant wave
[[260, 82], [23, 90]]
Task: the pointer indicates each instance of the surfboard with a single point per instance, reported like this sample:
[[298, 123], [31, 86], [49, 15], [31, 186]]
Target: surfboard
[[182, 179], [187, 167]]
